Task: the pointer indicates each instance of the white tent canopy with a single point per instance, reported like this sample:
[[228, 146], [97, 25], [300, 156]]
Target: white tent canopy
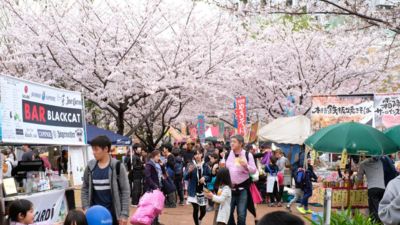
[[286, 130]]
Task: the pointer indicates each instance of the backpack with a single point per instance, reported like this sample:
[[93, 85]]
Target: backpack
[[118, 167], [389, 172], [178, 168], [300, 177]]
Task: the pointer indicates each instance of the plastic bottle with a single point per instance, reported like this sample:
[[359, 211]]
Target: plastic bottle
[[34, 184], [28, 188]]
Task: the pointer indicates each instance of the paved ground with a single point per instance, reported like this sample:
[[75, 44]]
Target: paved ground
[[182, 215]]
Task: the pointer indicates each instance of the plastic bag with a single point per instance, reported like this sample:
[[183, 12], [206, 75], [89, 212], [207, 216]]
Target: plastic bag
[[151, 205], [255, 194]]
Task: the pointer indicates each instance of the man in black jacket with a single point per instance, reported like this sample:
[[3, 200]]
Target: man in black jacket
[[136, 174], [170, 168]]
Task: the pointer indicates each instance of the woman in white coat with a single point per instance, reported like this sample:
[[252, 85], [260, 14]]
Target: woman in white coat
[[223, 198]]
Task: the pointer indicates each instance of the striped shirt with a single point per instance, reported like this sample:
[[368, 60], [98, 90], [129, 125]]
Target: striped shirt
[[102, 188]]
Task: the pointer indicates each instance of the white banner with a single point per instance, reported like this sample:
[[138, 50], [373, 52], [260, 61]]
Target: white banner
[[32, 113], [387, 110], [77, 164], [50, 206]]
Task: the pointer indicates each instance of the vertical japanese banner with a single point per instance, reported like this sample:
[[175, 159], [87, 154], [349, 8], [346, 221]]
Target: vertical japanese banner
[[221, 127], [290, 107], [241, 115], [201, 128], [184, 129], [253, 134], [193, 132], [387, 110]]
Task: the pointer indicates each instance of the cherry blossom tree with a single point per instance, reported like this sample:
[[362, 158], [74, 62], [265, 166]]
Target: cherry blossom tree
[[298, 64], [297, 61], [145, 65], [131, 59], [380, 13]]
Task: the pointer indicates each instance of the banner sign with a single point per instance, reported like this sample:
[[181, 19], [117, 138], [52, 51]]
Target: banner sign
[[50, 206], [32, 113], [221, 127], [77, 164], [253, 134], [387, 110], [184, 129], [193, 132], [290, 107], [332, 109], [241, 115], [201, 127]]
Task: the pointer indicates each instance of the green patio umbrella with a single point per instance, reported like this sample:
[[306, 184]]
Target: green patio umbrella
[[356, 138], [394, 134]]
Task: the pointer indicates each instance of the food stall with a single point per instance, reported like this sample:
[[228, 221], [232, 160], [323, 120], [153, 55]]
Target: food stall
[[40, 115], [345, 192]]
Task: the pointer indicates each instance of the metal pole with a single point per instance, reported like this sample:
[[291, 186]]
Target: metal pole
[[2, 205], [327, 206]]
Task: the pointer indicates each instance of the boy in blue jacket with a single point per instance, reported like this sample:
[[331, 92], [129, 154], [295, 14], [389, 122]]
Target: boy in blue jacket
[[308, 177]]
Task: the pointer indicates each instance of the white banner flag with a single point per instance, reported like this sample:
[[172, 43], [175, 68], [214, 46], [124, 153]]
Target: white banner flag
[[49, 206]]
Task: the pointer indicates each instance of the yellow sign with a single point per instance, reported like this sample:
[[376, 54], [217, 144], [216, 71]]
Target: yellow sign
[[313, 155], [343, 161]]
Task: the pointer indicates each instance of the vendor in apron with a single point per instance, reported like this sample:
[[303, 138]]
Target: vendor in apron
[[272, 183]]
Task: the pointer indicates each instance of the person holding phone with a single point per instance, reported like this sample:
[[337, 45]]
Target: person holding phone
[[197, 174]]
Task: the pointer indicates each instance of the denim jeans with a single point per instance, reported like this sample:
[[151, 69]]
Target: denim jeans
[[306, 196], [239, 200], [179, 189], [298, 194]]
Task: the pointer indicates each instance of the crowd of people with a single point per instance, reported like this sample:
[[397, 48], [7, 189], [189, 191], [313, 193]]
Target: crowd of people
[[216, 177], [219, 175], [227, 179]]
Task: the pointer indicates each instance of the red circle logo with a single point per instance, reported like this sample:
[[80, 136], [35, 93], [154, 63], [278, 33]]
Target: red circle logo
[[26, 89]]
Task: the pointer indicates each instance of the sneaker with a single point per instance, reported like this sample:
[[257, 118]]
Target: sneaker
[[309, 211], [210, 209], [301, 210], [272, 205], [288, 208], [182, 203]]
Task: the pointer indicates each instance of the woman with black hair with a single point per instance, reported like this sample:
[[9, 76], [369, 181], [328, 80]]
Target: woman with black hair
[[198, 173], [62, 163]]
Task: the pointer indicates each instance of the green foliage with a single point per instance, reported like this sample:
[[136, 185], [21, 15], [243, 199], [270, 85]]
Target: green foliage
[[346, 218], [298, 23]]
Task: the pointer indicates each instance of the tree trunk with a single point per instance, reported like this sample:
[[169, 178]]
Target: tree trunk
[[120, 122]]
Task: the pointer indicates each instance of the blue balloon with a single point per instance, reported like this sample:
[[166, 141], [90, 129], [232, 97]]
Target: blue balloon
[[98, 215]]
